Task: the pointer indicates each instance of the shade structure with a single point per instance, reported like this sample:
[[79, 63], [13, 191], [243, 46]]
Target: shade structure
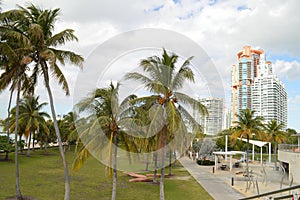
[[225, 153], [259, 144]]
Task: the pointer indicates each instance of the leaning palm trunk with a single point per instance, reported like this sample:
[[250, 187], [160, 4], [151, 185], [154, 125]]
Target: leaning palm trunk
[[170, 163], [162, 178], [147, 163], [28, 145], [8, 121], [114, 189], [275, 152], [21, 145], [247, 155], [155, 168], [67, 180], [18, 190], [33, 139], [163, 157]]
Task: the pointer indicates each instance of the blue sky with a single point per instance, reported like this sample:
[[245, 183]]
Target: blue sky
[[221, 28]]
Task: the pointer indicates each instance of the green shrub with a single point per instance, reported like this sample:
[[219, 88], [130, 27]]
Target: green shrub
[[6, 146], [205, 162]]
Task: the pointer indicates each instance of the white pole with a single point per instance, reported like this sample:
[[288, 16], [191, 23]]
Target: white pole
[[252, 152], [230, 167], [226, 146], [216, 162], [269, 152], [261, 155]]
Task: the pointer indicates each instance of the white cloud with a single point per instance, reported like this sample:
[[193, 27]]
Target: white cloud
[[221, 28], [288, 70], [294, 100]]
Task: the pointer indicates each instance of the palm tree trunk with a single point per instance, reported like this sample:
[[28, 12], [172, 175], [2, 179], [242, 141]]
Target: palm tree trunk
[[67, 180], [114, 189], [20, 140], [162, 182], [33, 139], [163, 157], [46, 146], [170, 163], [18, 190], [155, 168], [28, 145], [8, 121], [275, 152], [247, 155], [147, 162]]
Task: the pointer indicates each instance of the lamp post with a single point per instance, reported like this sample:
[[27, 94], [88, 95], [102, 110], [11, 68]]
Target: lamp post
[[247, 155]]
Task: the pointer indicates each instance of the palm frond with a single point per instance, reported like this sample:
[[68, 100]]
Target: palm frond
[[193, 103], [80, 158], [61, 38], [184, 73], [57, 74], [69, 56]]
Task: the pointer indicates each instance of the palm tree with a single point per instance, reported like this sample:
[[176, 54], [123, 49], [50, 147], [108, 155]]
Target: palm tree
[[164, 80], [38, 27], [247, 125], [69, 122], [275, 134], [109, 114], [14, 60], [33, 117]]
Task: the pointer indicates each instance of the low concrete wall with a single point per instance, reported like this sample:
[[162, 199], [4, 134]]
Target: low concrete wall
[[293, 159]]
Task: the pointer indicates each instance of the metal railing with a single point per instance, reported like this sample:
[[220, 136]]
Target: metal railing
[[268, 195], [289, 148]]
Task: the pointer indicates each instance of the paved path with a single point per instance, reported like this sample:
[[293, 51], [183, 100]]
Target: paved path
[[217, 186]]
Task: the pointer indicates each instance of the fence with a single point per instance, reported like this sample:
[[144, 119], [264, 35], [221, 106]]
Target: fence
[[289, 148]]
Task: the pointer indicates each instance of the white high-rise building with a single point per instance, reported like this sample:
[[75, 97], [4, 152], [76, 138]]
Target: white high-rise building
[[226, 118], [255, 87], [269, 97], [212, 123]]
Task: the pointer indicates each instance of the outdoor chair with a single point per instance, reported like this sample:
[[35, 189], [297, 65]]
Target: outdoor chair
[[237, 164], [223, 167]]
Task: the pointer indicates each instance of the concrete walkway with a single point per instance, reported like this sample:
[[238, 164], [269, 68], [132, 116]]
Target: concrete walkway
[[217, 186]]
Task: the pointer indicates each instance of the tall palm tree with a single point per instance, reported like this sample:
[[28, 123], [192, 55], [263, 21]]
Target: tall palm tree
[[33, 117], [164, 80], [38, 27], [104, 104], [14, 48], [275, 134], [247, 126]]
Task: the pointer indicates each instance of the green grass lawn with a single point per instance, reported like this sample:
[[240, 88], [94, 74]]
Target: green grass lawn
[[41, 177]]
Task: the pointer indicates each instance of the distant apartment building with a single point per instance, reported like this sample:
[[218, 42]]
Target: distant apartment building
[[269, 97], [212, 123], [243, 74], [226, 118], [254, 86]]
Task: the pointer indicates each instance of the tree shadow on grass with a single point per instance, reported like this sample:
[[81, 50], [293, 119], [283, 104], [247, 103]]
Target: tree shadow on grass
[[24, 198]]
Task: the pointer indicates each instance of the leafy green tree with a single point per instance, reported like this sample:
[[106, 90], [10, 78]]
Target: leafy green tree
[[45, 138], [164, 80], [5, 146], [69, 125], [220, 142], [289, 138], [275, 134], [247, 125], [104, 104], [33, 117]]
